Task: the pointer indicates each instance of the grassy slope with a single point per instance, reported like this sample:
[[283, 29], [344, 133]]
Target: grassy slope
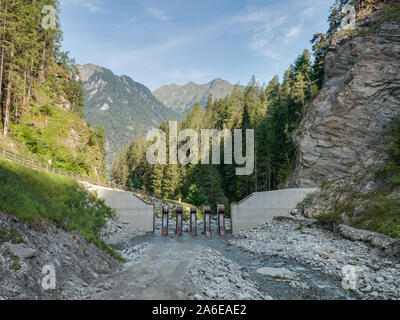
[[41, 198], [379, 211]]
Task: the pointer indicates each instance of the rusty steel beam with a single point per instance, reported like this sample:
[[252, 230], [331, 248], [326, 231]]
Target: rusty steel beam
[[221, 220], [178, 221], [165, 221], [193, 222], [207, 221]]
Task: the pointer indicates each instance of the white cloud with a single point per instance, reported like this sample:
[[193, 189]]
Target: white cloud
[[263, 24], [293, 33], [159, 14], [270, 28], [148, 57], [94, 6]]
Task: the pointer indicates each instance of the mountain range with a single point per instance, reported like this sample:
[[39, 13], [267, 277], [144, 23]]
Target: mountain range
[[124, 106], [183, 98]]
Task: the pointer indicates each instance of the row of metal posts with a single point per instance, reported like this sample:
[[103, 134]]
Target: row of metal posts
[[193, 221]]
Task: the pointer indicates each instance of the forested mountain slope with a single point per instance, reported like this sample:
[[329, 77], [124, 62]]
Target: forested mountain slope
[[273, 112], [40, 101], [123, 106], [41, 119]]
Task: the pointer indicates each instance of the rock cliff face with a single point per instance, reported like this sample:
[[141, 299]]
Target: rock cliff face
[[341, 131]]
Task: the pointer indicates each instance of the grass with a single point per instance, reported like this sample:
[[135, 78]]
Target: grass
[[186, 209], [380, 214], [10, 236], [40, 198], [46, 133], [376, 212]]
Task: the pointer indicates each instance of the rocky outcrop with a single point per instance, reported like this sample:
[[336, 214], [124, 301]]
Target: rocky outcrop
[[341, 131]]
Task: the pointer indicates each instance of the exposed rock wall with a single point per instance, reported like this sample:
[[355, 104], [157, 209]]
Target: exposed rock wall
[[341, 131]]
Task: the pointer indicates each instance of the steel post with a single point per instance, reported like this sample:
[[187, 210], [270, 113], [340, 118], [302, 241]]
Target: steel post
[[221, 220], [207, 221], [193, 222], [178, 221], [165, 221]]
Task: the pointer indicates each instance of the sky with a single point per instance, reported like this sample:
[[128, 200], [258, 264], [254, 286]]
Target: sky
[[158, 42]]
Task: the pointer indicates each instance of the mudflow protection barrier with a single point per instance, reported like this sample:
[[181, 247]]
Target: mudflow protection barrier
[[193, 221]]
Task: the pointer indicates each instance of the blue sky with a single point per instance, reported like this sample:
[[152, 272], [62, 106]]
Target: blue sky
[[159, 42]]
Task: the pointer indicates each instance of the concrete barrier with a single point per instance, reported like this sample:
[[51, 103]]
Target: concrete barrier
[[261, 207], [130, 209]]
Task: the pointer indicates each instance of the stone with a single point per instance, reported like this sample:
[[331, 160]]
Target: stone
[[277, 273], [209, 276], [219, 280], [210, 293], [21, 250], [245, 275], [322, 254], [379, 279]]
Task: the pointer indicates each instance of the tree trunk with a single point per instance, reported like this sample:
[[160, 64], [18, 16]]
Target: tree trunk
[[42, 77], [2, 64], [28, 97], [24, 89], [16, 110], [8, 100]]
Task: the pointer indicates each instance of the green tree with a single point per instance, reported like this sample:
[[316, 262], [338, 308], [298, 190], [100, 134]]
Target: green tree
[[196, 196]]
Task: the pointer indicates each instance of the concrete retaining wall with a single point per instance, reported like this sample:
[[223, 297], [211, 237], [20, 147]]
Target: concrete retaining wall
[[261, 207], [130, 209]]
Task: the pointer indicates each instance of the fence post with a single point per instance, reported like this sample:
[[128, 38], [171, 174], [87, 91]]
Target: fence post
[[221, 220], [207, 221], [193, 222], [179, 221]]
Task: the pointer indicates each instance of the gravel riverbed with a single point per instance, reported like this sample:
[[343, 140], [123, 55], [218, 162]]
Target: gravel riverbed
[[283, 259], [377, 275]]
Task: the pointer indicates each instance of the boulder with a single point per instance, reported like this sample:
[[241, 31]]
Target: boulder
[[277, 273], [22, 251]]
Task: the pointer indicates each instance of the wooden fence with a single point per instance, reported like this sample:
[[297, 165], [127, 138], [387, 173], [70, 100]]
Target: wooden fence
[[26, 162]]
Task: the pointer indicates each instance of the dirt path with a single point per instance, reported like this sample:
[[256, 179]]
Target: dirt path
[[158, 275]]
